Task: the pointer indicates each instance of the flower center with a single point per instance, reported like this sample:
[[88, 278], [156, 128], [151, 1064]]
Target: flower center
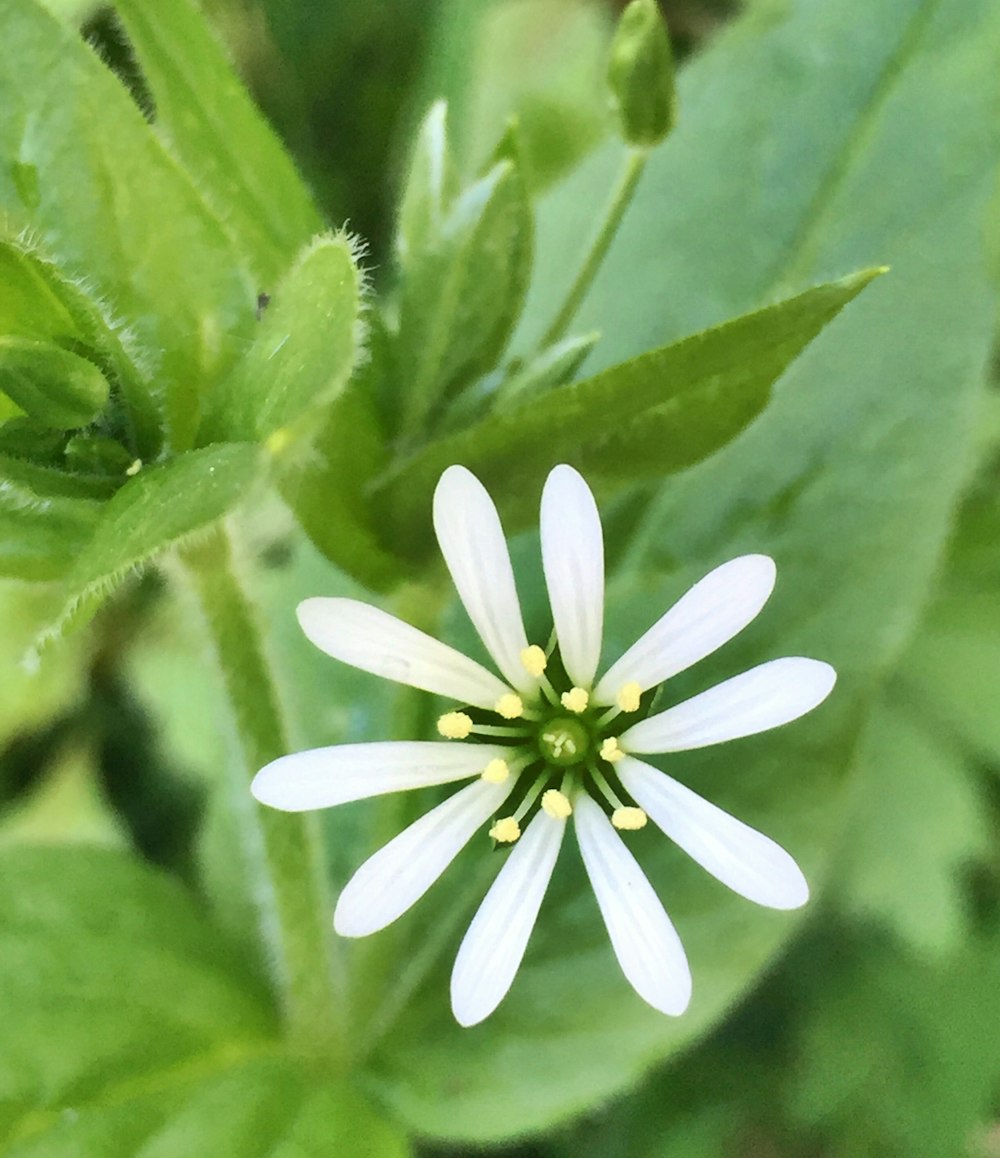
[[564, 741]]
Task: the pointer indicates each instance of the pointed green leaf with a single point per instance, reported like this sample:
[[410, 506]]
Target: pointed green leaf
[[51, 385], [659, 412], [303, 352], [209, 121], [551, 368], [430, 189], [155, 510]]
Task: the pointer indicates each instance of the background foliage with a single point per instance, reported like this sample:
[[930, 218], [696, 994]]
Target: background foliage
[[145, 207]]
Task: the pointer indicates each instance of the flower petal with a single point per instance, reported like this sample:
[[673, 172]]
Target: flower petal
[[374, 641], [573, 558], [323, 777], [701, 621], [398, 875], [746, 860], [494, 944], [764, 697], [644, 940], [472, 541]]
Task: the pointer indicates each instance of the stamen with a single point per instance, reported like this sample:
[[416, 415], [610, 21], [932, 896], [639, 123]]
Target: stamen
[[575, 700], [606, 790], [496, 771], [506, 830], [535, 660], [499, 730], [556, 804], [531, 796], [454, 725], [629, 696], [611, 750], [629, 819], [510, 706]]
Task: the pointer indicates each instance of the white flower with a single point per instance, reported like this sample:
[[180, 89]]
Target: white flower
[[546, 742]]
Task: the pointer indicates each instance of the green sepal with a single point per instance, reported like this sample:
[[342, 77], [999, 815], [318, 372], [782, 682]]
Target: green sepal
[[641, 75], [431, 186], [552, 367], [51, 385], [651, 415], [460, 300], [303, 352]]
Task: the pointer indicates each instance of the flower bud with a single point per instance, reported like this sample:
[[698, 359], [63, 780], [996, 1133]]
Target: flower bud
[[641, 75]]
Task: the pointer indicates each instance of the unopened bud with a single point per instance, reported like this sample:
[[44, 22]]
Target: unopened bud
[[641, 75]]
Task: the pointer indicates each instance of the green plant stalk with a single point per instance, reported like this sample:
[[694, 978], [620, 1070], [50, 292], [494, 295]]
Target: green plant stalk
[[621, 197], [282, 851]]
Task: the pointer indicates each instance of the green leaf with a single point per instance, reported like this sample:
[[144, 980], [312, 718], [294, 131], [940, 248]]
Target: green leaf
[[156, 509], [166, 260], [430, 189], [460, 299], [303, 353], [205, 115], [805, 149], [131, 1026], [39, 300], [656, 413], [51, 385], [551, 368]]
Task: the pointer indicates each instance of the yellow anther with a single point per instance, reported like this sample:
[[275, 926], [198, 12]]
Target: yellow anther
[[510, 706], [611, 750], [134, 467], [628, 697], [455, 725], [556, 804], [629, 819], [575, 700], [534, 659], [496, 771], [506, 830]]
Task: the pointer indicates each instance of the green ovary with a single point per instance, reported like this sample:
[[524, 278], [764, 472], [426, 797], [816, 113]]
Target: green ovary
[[564, 742]]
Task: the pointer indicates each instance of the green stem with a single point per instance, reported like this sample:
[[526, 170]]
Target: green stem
[[628, 179], [282, 851]]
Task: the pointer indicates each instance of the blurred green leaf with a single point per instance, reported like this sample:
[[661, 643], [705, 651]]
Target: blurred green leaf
[[132, 1027], [303, 353], [654, 414], [818, 137], [39, 300], [115, 205], [206, 117], [550, 368], [157, 509], [51, 385], [461, 298], [430, 188]]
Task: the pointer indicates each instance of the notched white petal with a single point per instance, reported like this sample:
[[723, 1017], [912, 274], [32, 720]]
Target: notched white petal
[[714, 610], [374, 641], [398, 875], [764, 697], [473, 545], [573, 559], [323, 777], [644, 939], [746, 860], [494, 945]]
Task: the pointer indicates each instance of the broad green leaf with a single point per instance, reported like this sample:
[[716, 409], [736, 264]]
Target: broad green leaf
[[51, 385], [46, 518], [165, 258], [430, 189], [208, 120], [302, 354], [39, 300], [156, 509], [132, 1027], [654, 414], [824, 135], [460, 299]]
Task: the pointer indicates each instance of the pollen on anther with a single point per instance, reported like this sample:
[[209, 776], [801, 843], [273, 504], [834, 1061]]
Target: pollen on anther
[[629, 819], [575, 700], [510, 706], [556, 804], [506, 830], [454, 725], [611, 750], [496, 771], [534, 660], [629, 696]]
